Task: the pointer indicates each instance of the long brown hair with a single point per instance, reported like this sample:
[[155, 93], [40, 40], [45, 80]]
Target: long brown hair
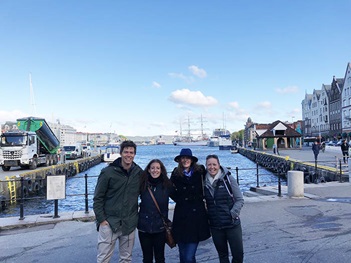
[[178, 171], [166, 182]]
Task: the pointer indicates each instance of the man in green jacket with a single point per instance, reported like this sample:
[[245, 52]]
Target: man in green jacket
[[116, 205]]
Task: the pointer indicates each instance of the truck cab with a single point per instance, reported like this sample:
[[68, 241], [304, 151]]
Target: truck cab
[[17, 149], [73, 151]]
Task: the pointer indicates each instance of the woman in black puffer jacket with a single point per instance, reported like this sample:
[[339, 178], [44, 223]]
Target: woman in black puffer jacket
[[224, 202]]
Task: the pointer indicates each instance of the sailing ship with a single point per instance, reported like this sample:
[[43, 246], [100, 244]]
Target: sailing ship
[[191, 139]]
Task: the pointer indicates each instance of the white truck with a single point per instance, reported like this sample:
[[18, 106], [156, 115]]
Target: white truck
[[32, 144], [73, 151]]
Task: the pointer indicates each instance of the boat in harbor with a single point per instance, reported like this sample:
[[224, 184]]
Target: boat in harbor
[[225, 142], [213, 141], [234, 149], [160, 141], [191, 139], [111, 153]]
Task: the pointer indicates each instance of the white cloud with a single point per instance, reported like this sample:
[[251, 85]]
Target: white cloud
[[200, 73], [11, 115], [287, 90], [194, 98], [156, 85], [264, 105], [181, 76], [234, 105]]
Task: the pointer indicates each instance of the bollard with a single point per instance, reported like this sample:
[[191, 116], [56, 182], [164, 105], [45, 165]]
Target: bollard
[[295, 184]]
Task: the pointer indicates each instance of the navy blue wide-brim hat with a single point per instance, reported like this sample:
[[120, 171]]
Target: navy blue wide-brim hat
[[185, 152]]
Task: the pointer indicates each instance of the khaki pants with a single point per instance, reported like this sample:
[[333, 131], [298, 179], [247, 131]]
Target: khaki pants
[[106, 245]]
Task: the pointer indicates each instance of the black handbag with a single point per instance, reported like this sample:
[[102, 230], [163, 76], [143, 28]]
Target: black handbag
[[166, 222]]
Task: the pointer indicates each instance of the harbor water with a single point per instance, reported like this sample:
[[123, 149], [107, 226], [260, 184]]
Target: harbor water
[[75, 186]]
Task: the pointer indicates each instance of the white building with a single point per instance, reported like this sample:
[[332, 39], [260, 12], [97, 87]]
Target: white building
[[346, 102], [66, 134]]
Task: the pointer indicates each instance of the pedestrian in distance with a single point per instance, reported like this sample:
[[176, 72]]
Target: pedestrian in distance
[[345, 151], [116, 205], [190, 222], [151, 229], [323, 147], [316, 148], [224, 201]]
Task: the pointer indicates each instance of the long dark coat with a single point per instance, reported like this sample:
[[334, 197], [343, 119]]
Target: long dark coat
[[190, 222]]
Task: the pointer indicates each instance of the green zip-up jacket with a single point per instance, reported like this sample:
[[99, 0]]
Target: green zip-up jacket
[[116, 197]]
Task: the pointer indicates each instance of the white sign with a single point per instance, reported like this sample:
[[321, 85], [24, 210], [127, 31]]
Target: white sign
[[55, 187]]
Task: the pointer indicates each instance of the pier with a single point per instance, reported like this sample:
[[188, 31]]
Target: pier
[[35, 180], [329, 166]]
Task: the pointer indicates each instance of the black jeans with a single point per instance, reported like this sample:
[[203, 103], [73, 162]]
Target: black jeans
[[153, 245], [233, 236], [345, 156]]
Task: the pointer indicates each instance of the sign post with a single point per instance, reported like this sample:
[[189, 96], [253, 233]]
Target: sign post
[[56, 189]]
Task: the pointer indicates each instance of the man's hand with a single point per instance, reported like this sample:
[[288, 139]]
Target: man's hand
[[104, 223]]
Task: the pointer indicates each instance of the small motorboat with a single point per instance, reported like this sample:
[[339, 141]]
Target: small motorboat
[[234, 149], [111, 153]]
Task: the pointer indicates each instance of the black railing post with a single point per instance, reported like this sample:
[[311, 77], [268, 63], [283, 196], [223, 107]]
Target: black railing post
[[340, 180], [258, 182], [279, 186], [316, 179], [86, 194], [237, 174], [22, 199]]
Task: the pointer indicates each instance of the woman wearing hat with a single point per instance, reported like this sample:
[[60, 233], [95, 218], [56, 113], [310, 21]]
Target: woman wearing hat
[[190, 224]]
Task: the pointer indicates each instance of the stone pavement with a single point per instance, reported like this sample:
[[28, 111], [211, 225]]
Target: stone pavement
[[330, 156], [314, 228]]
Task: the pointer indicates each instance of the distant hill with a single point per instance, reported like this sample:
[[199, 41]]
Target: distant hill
[[151, 139]]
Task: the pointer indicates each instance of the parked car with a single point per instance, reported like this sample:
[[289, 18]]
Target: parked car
[[331, 143]]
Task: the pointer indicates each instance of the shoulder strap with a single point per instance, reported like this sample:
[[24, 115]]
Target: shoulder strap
[[229, 189]]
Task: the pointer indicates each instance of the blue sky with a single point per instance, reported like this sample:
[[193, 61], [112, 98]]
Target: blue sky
[[144, 67]]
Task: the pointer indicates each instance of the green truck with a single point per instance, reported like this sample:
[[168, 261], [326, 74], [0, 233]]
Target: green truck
[[33, 143]]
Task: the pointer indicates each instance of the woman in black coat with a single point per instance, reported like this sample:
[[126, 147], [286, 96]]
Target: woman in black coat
[[151, 232], [190, 224]]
